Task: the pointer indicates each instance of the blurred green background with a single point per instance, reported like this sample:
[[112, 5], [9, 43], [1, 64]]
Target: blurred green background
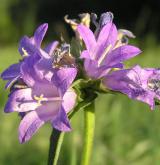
[[127, 132]]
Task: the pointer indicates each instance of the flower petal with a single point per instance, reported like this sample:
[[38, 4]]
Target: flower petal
[[87, 36], [69, 100], [40, 33], [29, 126], [21, 101], [49, 110], [45, 88], [121, 54], [51, 47], [44, 69], [35, 119], [104, 70], [107, 37], [129, 82], [11, 82], [61, 122], [11, 72], [91, 68], [63, 78], [26, 47], [85, 54], [28, 72]]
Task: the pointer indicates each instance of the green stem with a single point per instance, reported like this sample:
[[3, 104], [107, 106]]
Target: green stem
[[56, 140], [89, 120], [56, 137]]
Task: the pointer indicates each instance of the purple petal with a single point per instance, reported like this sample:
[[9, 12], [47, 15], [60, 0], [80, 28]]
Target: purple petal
[[107, 37], [40, 33], [27, 70], [35, 119], [121, 54], [63, 78], [94, 71], [105, 18], [26, 46], [21, 101], [11, 72], [61, 122], [44, 69], [48, 110], [45, 88], [29, 126], [11, 82], [85, 54], [87, 36], [130, 83], [104, 70], [51, 47], [69, 100], [118, 80], [44, 54], [91, 67]]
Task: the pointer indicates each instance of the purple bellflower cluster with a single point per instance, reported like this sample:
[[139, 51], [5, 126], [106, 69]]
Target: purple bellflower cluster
[[47, 84], [40, 90]]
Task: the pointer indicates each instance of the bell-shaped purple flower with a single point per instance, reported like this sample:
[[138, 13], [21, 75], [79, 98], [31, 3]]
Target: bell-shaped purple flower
[[138, 83], [42, 100], [103, 51], [28, 47]]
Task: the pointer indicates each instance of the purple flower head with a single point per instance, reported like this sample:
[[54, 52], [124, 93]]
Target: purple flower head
[[137, 83], [28, 47], [43, 99], [102, 52]]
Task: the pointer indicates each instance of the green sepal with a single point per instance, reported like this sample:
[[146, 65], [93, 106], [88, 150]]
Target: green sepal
[[85, 88], [157, 102], [85, 92]]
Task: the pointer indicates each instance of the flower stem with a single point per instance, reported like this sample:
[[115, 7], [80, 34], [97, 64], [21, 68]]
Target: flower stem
[[89, 120], [56, 140]]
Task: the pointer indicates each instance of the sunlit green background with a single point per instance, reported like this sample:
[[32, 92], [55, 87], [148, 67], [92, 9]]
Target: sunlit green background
[[127, 132]]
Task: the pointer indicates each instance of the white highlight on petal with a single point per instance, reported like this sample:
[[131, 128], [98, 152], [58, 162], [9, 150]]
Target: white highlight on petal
[[104, 54]]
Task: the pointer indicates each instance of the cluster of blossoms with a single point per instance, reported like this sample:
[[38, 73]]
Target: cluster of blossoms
[[40, 86], [48, 83]]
